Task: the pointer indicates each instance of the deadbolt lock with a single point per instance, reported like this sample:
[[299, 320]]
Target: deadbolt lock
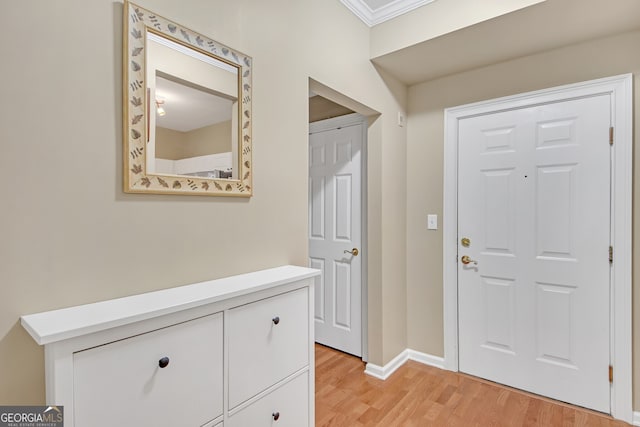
[[465, 242]]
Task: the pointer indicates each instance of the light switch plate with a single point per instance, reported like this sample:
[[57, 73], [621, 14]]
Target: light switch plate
[[432, 222]]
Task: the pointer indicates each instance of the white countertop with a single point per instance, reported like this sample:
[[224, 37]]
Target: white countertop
[[51, 326]]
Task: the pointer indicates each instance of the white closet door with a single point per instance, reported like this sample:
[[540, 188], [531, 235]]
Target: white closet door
[[335, 229]]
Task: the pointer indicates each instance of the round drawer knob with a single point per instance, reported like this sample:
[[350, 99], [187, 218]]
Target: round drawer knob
[[276, 416], [276, 320], [164, 362]]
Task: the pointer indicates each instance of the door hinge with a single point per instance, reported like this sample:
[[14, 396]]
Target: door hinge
[[611, 374], [611, 135], [610, 254]]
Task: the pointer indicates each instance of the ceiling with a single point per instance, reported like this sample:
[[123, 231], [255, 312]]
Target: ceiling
[[188, 108], [373, 12], [541, 27]]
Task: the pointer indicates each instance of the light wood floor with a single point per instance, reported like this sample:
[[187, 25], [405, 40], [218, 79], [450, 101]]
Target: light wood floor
[[419, 395]]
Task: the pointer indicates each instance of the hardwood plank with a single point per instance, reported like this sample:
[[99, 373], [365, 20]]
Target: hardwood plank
[[417, 395]]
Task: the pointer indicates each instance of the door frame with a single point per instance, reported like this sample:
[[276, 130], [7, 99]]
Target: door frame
[[621, 91], [337, 123]]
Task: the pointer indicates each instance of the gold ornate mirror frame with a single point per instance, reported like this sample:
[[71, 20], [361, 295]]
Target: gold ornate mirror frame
[[138, 22]]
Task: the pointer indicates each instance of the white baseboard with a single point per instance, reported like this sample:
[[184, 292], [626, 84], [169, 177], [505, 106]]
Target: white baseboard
[[383, 372], [426, 359], [636, 418]]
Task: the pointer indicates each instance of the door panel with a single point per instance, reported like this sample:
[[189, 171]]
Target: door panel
[[335, 227], [534, 199]]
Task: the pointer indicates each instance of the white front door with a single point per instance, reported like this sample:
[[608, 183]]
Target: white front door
[[534, 202], [335, 235]]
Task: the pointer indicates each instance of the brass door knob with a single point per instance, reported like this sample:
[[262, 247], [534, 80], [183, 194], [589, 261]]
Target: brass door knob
[[353, 252], [466, 260]]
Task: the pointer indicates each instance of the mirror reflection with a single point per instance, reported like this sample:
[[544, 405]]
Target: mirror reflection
[[192, 112]]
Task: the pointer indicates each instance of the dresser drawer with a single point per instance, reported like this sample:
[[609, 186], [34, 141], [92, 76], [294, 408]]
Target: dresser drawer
[[290, 403], [268, 340], [123, 384]]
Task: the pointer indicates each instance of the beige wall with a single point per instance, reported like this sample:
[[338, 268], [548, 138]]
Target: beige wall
[[175, 145], [169, 143], [600, 58], [71, 236], [212, 139]]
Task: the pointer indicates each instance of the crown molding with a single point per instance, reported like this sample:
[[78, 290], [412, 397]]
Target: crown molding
[[390, 10]]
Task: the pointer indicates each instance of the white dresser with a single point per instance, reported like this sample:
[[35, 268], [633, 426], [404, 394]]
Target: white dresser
[[233, 352]]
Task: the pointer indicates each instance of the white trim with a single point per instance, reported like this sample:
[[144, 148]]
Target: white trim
[[383, 372], [426, 359], [621, 239], [636, 418], [388, 11], [620, 88], [337, 123], [364, 239]]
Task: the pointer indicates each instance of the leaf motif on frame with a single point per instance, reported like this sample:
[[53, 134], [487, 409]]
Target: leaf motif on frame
[[136, 33], [225, 51], [136, 119], [136, 85], [139, 13], [246, 113], [247, 187], [135, 66], [136, 101], [246, 73], [136, 169], [136, 152], [176, 184], [247, 164], [247, 62], [136, 51], [246, 86], [145, 181], [246, 138], [185, 35], [235, 56], [217, 185], [205, 185], [135, 134], [200, 41], [172, 28], [228, 187], [246, 175], [163, 182], [246, 125]]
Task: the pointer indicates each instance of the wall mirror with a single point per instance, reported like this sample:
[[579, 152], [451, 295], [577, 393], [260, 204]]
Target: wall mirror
[[187, 110]]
